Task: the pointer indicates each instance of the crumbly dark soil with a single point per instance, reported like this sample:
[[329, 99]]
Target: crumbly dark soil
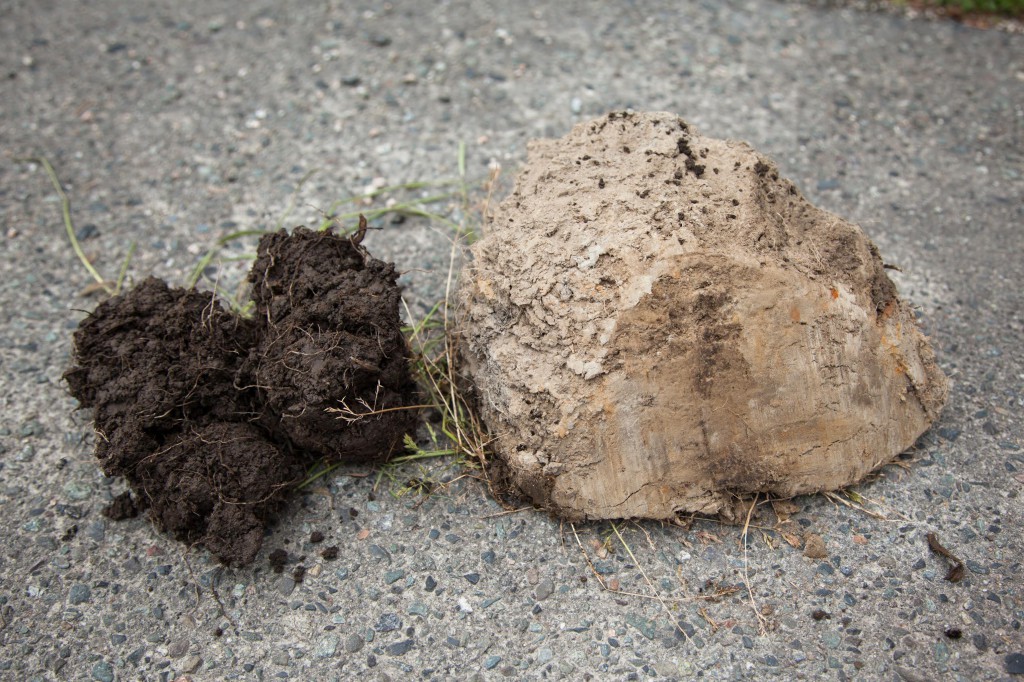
[[322, 348], [211, 418], [122, 507]]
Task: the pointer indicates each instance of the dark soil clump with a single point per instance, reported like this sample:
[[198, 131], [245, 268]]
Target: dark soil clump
[[278, 559], [212, 418], [122, 507], [331, 349]]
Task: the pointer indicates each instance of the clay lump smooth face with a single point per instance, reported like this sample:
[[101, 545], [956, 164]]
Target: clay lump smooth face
[[657, 322]]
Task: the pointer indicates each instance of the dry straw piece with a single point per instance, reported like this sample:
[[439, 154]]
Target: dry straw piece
[[656, 322]]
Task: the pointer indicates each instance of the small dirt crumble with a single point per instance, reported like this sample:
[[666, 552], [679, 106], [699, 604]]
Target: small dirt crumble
[[277, 559], [212, 418], [121, 507]]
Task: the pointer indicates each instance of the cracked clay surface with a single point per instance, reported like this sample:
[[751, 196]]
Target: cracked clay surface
[[658, 322]]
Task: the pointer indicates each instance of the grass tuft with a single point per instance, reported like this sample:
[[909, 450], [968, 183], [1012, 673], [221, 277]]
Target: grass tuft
[[1007, 7]]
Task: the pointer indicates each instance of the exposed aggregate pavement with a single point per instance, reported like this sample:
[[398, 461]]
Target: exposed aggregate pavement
[[173, 125]]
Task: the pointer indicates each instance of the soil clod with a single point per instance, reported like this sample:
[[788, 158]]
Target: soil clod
[[277, 559], [121, 507], [212, 418], [652, 333]]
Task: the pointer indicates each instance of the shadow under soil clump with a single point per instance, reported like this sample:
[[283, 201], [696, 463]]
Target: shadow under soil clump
[[213, 418]]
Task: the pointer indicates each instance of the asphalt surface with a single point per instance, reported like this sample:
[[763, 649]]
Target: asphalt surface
[[173, 125]]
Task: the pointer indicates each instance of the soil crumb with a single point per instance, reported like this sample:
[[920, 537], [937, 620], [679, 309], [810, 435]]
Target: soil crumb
[[278, 559], [122, 507], [212, 418]]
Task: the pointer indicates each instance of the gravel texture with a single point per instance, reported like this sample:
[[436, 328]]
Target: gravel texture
[[173, 126]]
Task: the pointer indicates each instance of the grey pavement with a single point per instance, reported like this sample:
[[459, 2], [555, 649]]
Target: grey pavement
[[172, 124]]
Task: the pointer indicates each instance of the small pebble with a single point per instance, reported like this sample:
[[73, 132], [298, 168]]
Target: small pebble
[[544, 589], [353, 643], [388, 622], [646, 627], [379, 553], [77, 491], [103, 672], [79, 594], [400, 648], [976, 567], [191, 664], [326, 647]]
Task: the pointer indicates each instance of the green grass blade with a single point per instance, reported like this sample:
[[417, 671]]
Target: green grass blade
[[65, 208], [207, 258], [124, 268]]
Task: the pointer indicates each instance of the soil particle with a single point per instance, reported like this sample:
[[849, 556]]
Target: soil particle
[[814, 546], [211, 417], [324, 349], [122, 507], [278, 558]]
